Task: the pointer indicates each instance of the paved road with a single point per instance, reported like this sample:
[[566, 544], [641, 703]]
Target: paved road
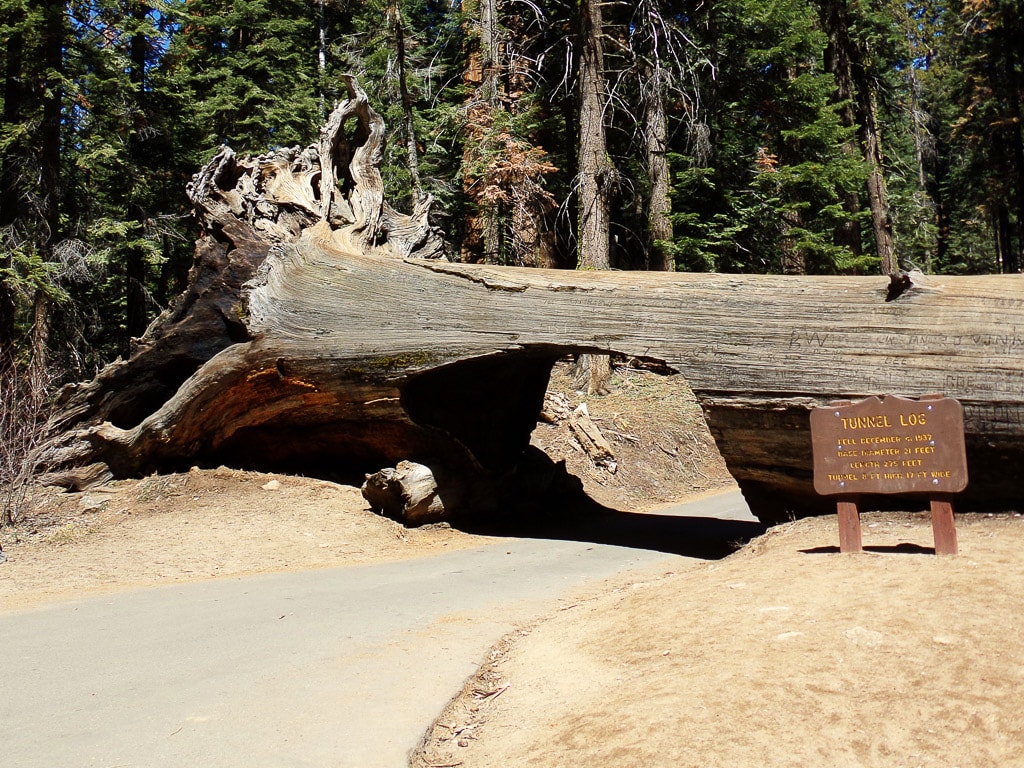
[[340, 667]]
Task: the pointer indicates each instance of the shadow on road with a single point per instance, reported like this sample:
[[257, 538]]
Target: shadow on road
[[707, 538]]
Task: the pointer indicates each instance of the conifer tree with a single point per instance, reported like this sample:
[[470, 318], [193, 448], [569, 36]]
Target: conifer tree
[[127, 170], [502, 165], [760, 180], [989, 94], [30, 156], [250, 70], [851, 51]]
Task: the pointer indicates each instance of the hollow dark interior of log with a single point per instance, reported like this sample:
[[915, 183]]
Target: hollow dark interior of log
[[489, 404], [146, 396]]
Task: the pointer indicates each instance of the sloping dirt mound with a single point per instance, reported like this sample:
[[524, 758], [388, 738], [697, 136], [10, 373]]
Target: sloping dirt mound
[[662, 449]]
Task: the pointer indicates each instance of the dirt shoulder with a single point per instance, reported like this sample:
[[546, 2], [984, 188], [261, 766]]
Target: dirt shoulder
[[786, 653], [661, 446]]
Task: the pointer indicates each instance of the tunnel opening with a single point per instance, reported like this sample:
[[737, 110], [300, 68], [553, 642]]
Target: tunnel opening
[[657, 430], [666, 454]]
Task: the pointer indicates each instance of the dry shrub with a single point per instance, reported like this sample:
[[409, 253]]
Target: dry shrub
[[24, 407]]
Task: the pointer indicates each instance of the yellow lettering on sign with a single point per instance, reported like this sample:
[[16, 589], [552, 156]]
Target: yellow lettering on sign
[[880, 421]]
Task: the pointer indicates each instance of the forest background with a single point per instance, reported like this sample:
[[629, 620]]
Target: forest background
[[780, 136]]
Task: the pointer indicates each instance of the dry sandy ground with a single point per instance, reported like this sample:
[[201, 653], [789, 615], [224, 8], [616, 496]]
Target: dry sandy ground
[[784, 654], [224, 522]]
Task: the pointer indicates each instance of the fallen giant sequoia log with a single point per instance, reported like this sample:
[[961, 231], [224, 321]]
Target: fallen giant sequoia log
[[320, 333]]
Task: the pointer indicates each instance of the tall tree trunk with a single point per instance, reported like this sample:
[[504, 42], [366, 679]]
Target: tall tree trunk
[[659, 225], [595, 171], [489, 87], [944, 225], [921, 126], [135, 296], [483, 241], [321, 54], [489, 54], [999, 196], [1011, 64], [845, 60], [532, 241], [937, 189], [10, 183], [878, 195], [135, 264], [7, 309], [1003, 233], [42, 313], [794, 261], [408, 123], [594, 166], [239, 40], [49, 159], [793, 256], [50, 130]]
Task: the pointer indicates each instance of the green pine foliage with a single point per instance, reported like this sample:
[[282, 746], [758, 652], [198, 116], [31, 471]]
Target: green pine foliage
[[771, 162], [979, 83], [25, 223], [249, 71]]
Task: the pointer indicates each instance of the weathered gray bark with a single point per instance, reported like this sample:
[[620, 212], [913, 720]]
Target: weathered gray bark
[[407, 492], [313, 338]]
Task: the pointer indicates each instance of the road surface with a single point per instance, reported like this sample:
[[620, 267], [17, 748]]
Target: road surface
[[343, 667]]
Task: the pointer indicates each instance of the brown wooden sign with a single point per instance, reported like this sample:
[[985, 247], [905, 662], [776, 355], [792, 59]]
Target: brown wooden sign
[[895, 445]]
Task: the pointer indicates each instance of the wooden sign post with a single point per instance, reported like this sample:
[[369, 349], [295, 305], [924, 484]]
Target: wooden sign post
[[895, 445]]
